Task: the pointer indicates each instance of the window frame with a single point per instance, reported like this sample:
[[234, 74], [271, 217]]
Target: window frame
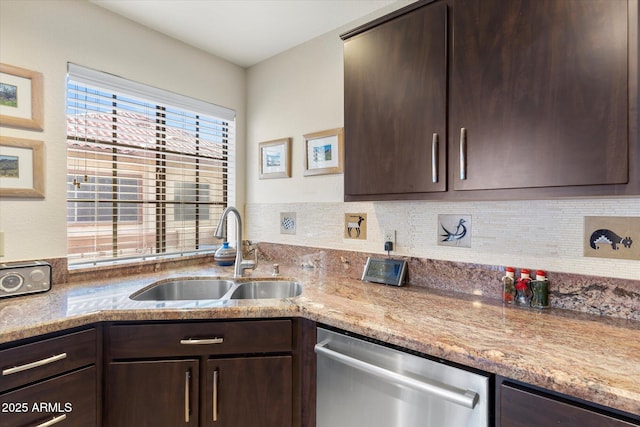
[[220, 167]]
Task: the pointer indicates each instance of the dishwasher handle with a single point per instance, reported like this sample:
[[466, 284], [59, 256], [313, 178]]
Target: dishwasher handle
[[466, 398]]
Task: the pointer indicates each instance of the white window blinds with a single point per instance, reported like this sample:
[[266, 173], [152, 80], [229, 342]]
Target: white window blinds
[[149, 171]]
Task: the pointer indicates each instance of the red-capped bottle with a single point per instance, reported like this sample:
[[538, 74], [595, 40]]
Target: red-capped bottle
[[523, 291], [540, 290], [509, 285]]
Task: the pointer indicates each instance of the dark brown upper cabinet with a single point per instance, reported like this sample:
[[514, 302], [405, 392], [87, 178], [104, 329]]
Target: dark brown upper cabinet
[[540, 89], [541, 99], [395, 106]]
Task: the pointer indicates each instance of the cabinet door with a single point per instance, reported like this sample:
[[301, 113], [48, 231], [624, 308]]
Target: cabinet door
[[249, 392], [541, 89], [523, 408], [394, 104], [70, 400], [152, 393]]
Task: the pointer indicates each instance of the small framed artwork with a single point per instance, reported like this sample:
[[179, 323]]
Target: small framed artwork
[[324, 152], [275, 159], [20, 98], [21, 167]]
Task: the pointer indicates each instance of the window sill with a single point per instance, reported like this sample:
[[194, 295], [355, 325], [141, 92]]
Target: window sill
[[133, 268]]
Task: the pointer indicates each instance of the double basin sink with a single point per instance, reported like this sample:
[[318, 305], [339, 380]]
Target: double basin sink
[[203, 288]]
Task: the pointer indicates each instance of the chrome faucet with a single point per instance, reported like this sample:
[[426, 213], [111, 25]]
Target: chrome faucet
[[240, 264]]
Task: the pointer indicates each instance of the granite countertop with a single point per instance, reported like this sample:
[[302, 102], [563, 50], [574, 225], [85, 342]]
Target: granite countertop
[[589, 357]]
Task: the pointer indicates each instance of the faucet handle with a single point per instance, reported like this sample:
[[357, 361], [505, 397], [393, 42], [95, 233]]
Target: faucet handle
[[250, 263], [255, 257]]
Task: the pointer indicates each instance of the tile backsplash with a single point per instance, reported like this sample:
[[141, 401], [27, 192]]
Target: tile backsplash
[[539, 234]]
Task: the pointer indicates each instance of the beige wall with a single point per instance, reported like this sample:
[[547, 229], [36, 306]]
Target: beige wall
[[296, 93], [301, 91], [43, 35]]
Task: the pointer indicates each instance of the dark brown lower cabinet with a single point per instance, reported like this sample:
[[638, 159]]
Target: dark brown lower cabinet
[[153, 393], [241, 391], [523, 407], [249, 391], [51, 380], [68, 400], [245, 373]]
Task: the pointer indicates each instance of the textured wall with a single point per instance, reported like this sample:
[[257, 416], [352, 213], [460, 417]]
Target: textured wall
[[545, 234]]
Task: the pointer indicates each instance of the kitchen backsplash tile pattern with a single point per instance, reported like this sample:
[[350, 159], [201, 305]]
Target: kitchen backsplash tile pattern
[[545, 234]]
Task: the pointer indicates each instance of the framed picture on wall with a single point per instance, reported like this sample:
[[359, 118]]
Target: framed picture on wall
[[20, 98], [324, 152], [275, 158], [21, 167]]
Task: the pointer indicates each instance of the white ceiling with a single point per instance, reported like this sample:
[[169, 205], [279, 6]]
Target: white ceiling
[[243, 32]]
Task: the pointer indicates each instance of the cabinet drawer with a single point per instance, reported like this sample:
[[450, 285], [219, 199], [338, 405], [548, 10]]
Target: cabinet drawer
[[70, 399], [32, 362], [520, 407], [192, 339]]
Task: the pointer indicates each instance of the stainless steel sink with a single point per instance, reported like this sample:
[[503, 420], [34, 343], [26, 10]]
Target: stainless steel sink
[[184, 289], [267, 289], [217, 289]]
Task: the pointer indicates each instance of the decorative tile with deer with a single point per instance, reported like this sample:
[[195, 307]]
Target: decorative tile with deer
[[355, 226]]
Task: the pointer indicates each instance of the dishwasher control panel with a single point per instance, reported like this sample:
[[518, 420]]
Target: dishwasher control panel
[[20, 278]]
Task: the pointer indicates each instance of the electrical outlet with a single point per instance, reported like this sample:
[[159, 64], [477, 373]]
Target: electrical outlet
[[389, 236]]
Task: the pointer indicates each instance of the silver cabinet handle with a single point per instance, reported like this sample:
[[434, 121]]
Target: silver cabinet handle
[[466, 398], [215, 395], [54, 420], [434, 158], [191, 341], [187, 399], [35, 364], [463, 154]]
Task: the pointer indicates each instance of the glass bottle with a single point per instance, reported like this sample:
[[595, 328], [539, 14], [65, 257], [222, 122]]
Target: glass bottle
[[540, 289], [509, 285], [523, 291]]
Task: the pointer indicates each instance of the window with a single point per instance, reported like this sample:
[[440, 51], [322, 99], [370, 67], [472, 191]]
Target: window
[[148, 171], [190, 194], [98, 207]]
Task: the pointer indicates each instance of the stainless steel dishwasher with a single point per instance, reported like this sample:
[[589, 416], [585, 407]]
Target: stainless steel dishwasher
[[364, 384]]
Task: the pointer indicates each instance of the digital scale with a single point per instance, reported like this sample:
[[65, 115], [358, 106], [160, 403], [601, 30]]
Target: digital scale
[[386, 271]]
